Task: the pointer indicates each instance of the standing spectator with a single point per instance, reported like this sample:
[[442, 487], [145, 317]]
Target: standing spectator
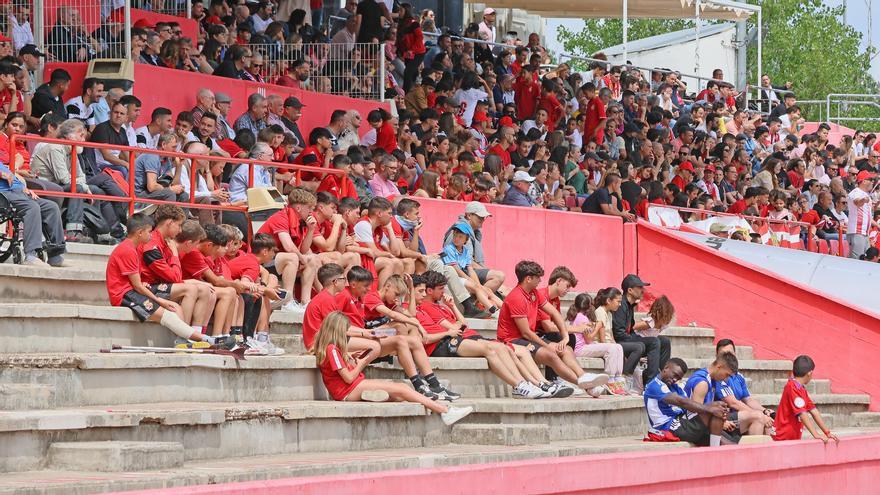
[[369, 16], [66, 41], [22, 34], [657, 349], [860, 208], [488, 24], [410, 44]]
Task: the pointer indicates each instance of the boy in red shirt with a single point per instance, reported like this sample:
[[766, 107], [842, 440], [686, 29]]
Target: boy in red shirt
[[374, 232], [594, 125], [449, 336], [293, 229], [329, 239], [339, 185], [518, 321], [561, 281], [160, 265], [125, 288], [796, 410], [408, 348], [382, 307]]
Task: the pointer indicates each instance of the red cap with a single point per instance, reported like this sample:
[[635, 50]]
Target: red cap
[[865, 175], [143, 24], [481, 117], [505, 122], [214, 20], [3, 37], [686, 166], [710, 167]]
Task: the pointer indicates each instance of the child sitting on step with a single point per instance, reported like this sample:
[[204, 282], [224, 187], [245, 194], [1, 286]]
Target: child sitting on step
[[659, 317], [591, 340], [343, 375]]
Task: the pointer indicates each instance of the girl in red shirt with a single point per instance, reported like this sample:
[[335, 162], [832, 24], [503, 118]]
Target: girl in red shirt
[[343, 375]]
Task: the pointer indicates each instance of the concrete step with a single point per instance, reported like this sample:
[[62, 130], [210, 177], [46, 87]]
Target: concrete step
[[866, 419], [491, 434], [15, 396], [234, 430], [114, 456], [31, 284], [816, 386], [258, 468], [841, 406], [91, 254]]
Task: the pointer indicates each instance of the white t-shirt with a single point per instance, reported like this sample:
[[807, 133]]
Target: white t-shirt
[[363, 232], [469, 99], [150, 141], [859, 216]]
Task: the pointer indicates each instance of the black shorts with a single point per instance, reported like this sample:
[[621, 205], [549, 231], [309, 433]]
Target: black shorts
[[531, 346], [162, 290], [448, 346], [482, 274], [142, 307], [557, 337], [270, 267], [690, 430], [371, 324]]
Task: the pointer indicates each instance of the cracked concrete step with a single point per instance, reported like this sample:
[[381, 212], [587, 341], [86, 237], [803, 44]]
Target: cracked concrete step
[[115, 456], [492, 434], [866, 419], [233, 430]]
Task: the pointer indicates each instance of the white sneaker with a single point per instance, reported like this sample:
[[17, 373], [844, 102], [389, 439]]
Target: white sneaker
[[536, 392], [35, 262], [590, 380], [595, 392], [374, 396], [526, 390], [294, 306], [265, 348], [455, 414], [578, 391]]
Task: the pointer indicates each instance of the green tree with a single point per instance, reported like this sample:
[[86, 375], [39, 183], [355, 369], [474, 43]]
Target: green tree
[[602, 33]]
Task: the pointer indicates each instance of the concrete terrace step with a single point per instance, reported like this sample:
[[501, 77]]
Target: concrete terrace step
[[309, 464], [115, 457], [492, 434], [816, 386], [36, 284], [233, 430], [842, 406], [96, 254]]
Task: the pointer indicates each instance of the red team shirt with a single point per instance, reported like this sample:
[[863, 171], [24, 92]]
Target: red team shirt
[[431, 314], [336, 386], [372, 301], [194, 264], [319, 307], [124, 261], [518, 304], [545, 293], [795, 401], [287, 220], [159, 263], [351, 306], [245, 265]]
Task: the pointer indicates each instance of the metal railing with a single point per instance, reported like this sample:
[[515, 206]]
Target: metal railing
[[357, 70], [177, 8], [841, 101]]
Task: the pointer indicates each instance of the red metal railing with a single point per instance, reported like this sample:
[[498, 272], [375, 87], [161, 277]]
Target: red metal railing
[[811, 241], [131, 198]]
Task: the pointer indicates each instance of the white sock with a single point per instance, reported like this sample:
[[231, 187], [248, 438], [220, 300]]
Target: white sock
[[196, 328], [172, 322], [262, 336], [714, 440]]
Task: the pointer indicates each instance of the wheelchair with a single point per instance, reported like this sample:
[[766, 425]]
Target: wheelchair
[[11, 232]]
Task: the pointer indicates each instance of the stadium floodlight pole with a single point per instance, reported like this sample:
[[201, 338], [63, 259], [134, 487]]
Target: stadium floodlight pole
[[697, 41], [625, 29], [127, 11]]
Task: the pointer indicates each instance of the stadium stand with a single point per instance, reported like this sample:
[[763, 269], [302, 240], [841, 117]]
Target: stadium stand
[[299, 181]]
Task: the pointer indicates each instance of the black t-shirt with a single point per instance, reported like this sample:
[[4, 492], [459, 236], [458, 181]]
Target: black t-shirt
[[105, 133], [44, 102], [594, 201], [631, 193], [371, 21], [227, 69]]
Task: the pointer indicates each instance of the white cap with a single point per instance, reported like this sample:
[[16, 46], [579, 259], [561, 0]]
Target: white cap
[[476, 208], [522, 176], [488, 11]]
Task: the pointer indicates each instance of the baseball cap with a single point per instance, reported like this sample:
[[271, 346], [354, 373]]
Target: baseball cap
[[293, 101], [710, 167], [31, 50], [481, 117], [3, 37], [143, 24], [865, 175], [522, 176], [686, 166], [631, 281], [476, 208], [222, 98], [505, 122], [488, 11]]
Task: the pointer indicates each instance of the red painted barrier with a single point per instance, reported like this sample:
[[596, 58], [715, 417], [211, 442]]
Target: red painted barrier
[[806, 467], [592, 246], [176, 90], [780, 318], [190, 27]]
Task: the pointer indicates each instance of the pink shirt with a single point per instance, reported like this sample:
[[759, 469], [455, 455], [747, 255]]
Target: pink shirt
[[383, 188]]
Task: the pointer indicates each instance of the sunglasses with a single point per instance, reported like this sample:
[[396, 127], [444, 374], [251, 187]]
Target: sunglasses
[[258, 66]]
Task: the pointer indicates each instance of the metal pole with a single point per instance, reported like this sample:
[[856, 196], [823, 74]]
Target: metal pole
[[39, 22], [381, 73], [625, 30], [189, 9], [760, 45], [697, 41], [127, 31]]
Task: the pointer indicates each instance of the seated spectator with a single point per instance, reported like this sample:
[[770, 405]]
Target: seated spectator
[[753, 418], [235, 64], [255, 117], [384, 183], [318, 153], [459, 256], [449, 336], [607, 200], [82, 107], [160, 123], [475, 214], [672, 416], [796, 410], [158, 177], [374, 233], [293, 229], [330, 241], [339, 185], [40, 216], [518, 192], [344, 378], [125, 288], [592, 340], [248, 267], [112, 132], [518, 322], [626, 329], [292, 111], [12, 99], [47, 97], [238, 181]]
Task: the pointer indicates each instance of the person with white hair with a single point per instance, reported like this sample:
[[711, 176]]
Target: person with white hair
[[238, 182]]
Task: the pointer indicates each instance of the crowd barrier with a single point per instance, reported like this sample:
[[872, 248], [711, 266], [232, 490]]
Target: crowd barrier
[[808, 466], [778, 317], [176, 90]]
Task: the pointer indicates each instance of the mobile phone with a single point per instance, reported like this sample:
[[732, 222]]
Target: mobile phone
[[281, 293], [362, 354]]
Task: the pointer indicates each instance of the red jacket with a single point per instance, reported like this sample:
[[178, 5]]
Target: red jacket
[[527, 92], [410, 40]]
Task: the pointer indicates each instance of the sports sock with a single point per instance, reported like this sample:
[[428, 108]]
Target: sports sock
[[262, 336], [416, 381], [433, 382], [172, 322], [714, 440], [209, 339], [196, 328]]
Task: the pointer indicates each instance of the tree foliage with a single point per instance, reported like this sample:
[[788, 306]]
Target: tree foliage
[[602, 33]]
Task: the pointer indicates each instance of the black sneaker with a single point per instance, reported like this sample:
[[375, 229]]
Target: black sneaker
[[425, 390], [447, 395], [228, 342], [389, 360], [236, 333], [471, 310]]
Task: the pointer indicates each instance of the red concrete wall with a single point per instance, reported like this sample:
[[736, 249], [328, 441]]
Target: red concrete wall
[[177, 90], [780, 318], [90, 11], [806, 467], [592, 246], [189, 27]]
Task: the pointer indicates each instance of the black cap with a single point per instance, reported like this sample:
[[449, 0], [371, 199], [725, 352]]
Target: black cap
[[292, 101], [632, 281], [30, 50]]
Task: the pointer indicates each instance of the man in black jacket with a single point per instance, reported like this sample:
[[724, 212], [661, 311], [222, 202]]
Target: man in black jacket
[[624, 327]]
